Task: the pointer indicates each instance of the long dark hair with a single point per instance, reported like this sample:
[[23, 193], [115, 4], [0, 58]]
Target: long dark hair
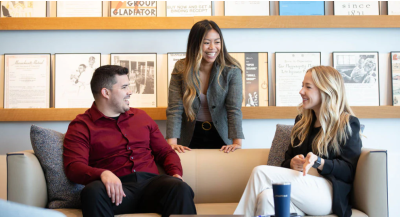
[[194, 55]]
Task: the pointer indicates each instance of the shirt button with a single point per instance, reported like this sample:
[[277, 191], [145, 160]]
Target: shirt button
[[129, 148], [131, 158], [125, 134]]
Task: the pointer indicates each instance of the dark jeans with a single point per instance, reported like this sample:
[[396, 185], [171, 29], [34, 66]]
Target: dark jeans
[[145, 193], [206, 139]]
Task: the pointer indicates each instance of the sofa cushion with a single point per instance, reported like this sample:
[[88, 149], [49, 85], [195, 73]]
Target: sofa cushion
[[279, 144], [48, 147]]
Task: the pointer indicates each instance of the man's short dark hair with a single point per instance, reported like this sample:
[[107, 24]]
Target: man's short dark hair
[[104, 77]]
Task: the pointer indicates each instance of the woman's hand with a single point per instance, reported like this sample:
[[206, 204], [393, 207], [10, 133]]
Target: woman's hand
[[309, 162], [180, 148], [297, 162], [229, 148]]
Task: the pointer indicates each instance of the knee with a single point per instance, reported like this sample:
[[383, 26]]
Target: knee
[[258, 170], [182, 187]]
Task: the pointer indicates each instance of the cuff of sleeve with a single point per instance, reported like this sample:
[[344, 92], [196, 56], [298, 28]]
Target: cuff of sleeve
[[173, 172], [286, 164], [96, 173], [328, 167]]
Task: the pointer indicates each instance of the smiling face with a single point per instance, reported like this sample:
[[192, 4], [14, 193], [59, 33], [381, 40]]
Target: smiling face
[[120, 94], [310, 93], [211, 46]]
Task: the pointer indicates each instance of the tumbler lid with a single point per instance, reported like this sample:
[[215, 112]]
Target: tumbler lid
[[281, 183]]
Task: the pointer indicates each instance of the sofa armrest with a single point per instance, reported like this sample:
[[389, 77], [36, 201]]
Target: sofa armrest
[[371, 183], [26, 183]]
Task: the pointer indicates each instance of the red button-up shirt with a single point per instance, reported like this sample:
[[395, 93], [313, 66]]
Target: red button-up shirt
[[132, 143]]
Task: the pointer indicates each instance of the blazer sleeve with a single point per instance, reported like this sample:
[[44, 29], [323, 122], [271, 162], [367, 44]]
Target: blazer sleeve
[[233, 104], [343, 167], [175, 106], [289, 152]]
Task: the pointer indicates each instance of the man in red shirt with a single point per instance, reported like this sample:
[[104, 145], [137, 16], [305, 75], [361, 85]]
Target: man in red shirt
[[112, 149]]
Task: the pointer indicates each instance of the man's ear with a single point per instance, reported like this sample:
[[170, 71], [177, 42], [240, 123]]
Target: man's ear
[[105, 93]]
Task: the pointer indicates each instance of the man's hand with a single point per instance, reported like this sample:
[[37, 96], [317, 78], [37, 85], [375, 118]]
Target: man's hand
[[309, 162], [229, 148], [178, 176], [113, 186], [180, 148], [297, 162]]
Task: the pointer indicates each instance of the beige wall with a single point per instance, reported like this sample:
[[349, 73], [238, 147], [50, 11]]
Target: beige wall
[[3, 177]]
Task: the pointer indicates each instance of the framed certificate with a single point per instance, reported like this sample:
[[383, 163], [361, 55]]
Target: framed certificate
[[73, 73], [23, 9], [360, 72], [172, 59], [188, 8], [27, 80], [395, 61], [142, 77], [79, 8], [133, 8], [356, 8], [246, 8], [255, 77], [290, 69], [302, 8], [393, 8]]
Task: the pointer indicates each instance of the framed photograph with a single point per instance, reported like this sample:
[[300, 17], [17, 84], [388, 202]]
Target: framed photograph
[[246, 8], [393, 8], [79, 9], [188, 8], [133, 8], [395, 61], [302, 8], [27, 80], [356, 8], [360, 72], [23, 9], [173, 57], [255, 77], [73, 73], [290, 69], [142, 77]]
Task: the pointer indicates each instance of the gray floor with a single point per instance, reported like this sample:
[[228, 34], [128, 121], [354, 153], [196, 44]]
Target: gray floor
[[3, 177]]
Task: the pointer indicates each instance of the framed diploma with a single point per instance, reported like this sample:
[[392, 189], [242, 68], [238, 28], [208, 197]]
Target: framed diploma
[[255, 77], [188, 8], [26, 80], [172, 59], [142, 77], [23, 9], [393, 8], [360, 72], [246, 8], [395, 57], [356, 8], [302, 8], [79, 8], [133, 8], [290, 69], [73, 73]]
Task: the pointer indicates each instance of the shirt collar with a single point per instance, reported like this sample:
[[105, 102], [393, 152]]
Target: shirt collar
[[95, 114]]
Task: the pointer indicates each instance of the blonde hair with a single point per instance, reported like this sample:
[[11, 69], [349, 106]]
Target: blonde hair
[[334, 113], [193, 59]]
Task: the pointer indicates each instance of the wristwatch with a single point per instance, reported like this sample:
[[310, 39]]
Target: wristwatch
[[317, 163]]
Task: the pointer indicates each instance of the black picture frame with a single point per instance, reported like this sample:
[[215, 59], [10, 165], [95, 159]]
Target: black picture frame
[[55, 64], [4, 75], [166, 10], [93, 1], [268, 73], [392, 75], [269, 9], [155, 72], [295, 52], [279, 10], [1, 10], [334, 12], [377, 67], [132, 16]]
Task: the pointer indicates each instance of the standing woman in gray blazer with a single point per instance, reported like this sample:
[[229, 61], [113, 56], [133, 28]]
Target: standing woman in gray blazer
[[205, 94]]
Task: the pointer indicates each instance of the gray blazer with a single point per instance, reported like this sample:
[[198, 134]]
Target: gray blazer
[[224, 102]]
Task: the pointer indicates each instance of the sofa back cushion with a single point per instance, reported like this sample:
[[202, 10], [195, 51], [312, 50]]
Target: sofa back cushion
[[48, 147], [279, 144]]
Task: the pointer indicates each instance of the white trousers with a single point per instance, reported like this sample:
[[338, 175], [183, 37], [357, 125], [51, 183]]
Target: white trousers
[[310, 194]]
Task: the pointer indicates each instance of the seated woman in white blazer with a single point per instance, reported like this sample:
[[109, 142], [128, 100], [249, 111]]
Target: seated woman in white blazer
[[321, 160]]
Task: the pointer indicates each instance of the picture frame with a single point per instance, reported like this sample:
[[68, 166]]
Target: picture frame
[[301, 8], [78, 13], [393, 8], [127, 8], [395, 77], [206, 8], [23, 8], [246, 8], [172, 58], [356, 8]]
